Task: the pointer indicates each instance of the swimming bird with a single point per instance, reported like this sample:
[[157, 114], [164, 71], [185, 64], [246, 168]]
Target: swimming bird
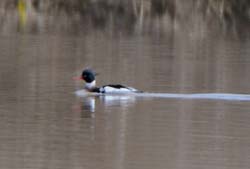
[[89, 75]]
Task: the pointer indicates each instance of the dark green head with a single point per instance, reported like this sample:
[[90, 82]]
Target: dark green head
[[88, 75]]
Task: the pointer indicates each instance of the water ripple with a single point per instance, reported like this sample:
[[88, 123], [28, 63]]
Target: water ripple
[[210, 96]]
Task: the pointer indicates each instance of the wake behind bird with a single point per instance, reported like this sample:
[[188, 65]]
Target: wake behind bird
[[191, 96]]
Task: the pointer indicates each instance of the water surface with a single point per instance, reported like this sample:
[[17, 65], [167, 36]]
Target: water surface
[[44, 124]]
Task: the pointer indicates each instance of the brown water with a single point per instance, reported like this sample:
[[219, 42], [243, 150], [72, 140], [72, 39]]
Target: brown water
[[43, 124]]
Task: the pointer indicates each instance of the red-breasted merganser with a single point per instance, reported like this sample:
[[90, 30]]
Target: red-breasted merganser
[[89, 77]]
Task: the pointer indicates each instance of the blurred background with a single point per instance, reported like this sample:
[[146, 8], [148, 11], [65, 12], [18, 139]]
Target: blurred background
[[131, 16], [158, 46]]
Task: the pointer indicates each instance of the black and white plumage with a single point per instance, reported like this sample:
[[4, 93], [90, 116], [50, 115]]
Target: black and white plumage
[[89, 77]]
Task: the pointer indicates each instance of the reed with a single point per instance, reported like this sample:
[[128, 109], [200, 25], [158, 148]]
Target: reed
[[130, 13]]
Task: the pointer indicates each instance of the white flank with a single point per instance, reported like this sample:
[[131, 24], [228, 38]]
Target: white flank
[[108, 89]]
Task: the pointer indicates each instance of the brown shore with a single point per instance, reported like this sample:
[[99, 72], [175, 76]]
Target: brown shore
[[131, 15]]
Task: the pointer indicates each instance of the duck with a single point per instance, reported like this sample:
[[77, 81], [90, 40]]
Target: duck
[[89, 76]]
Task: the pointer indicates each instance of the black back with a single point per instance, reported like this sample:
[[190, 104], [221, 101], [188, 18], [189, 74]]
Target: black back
[[117, 86]]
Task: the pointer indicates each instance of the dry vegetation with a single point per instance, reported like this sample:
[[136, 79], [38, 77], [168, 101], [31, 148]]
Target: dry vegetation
[[131, 13]]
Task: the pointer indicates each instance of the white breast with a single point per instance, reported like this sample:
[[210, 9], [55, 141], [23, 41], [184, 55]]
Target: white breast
[[90, 85]]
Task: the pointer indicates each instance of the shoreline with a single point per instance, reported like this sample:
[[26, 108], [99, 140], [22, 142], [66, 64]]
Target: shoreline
[[132, 16]]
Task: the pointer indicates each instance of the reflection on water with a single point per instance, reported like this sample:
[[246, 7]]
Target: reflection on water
[[87, 105]]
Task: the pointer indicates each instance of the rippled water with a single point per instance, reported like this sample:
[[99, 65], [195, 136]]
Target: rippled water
[[44, 124]]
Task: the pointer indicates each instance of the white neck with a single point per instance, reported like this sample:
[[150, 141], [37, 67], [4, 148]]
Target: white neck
[[91, 85]]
